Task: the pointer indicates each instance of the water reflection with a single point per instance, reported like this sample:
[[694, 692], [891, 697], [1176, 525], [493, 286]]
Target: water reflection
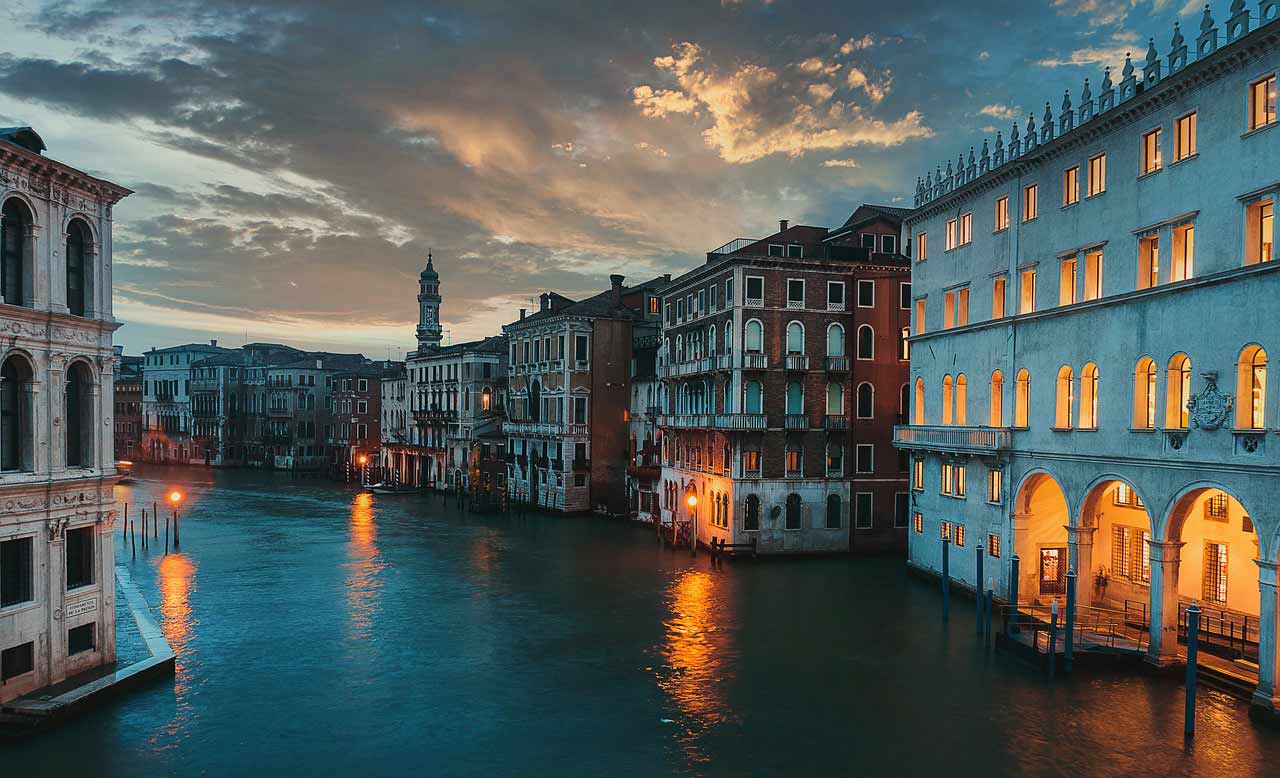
[[699, 657], [364, 569], [176, 573]]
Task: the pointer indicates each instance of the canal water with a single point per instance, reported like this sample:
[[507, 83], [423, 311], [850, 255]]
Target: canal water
[[324, 632]]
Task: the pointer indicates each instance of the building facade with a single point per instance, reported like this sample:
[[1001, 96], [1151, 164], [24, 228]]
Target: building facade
[[127, 388], [168, 422], [1093, 304], [644, 469], [784, 364], [57, 365]]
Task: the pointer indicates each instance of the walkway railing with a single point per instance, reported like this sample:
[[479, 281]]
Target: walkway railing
[[952, 438], [1225, 633], [1095, 628]]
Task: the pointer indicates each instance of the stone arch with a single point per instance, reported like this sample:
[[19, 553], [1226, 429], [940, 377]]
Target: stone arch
[[19, 228], [1110, 543], [1040, 537]]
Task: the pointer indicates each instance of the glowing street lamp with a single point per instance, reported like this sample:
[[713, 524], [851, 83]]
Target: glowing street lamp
[[175, 496], [364, 472], [693, 519], [693, 501]]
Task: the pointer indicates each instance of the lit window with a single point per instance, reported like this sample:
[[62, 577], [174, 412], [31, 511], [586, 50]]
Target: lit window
[[1184, 251], [1022, 398], [1215, 558], [922, 247], [1185, 137], [1067, 282], [997, 399], [1093, 275], [1151, 151], [959, 535], [1089, 397], [1251, 388], [953, 234], [946, 530], [919, 317], [1066, 395], [1097, 174], [1217, 507], [993, 485], [962, 307], [948, 310], [993, 546], [966, 228], [1262, 103], [1148, 262], [1131, 554], [917, 523], [1028, 291], [1259, 231], [945, 487], [1177, 391], [917, 475], [1030, 204], [1002, 213], [959, 481], [1071, 185], [1144, 394], [997, 297]]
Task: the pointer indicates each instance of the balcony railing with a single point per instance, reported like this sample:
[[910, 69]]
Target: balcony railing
[[837, 364], [724, 362], [545, 428], [949, 438], [741, 421], [797, 362], [719, 421], [755, 361], [836, 422], [796, 421], [577, 429]]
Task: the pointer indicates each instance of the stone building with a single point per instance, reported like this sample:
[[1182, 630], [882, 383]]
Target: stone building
[[168, 422], [785, 366], [354, 432], [1094, 306], [57, 365], [127, 388], [644, 470], [570, 395]]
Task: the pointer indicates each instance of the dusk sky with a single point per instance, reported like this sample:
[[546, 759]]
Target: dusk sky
[[293, 162]]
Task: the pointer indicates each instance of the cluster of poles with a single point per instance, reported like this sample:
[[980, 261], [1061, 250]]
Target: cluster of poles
[[169, 522], [985, 604]]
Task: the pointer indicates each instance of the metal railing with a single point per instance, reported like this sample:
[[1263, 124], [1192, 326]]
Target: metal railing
[[838, 364], [795, 421], [797, 362], [952, 438], [836, 422], [1224, 633], [755, 361], [1095, 628]]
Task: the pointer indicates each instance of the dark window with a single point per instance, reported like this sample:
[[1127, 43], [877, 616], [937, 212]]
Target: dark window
[[80, 639], [77, 240], [889, 244], [15, 571], [79, 557], [795, 251], [833, 511], [14, 224], [904, 295], [795, 290], [835, 294], [863, 511], [865, 452], [14, 416], [17, 660], [755, 288], [901, 509], [580, 348], [868, 240], [775, 250], [866, 294], [793, 511], [77, 425]]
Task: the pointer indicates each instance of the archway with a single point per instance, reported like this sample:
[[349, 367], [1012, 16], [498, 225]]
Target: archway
[[1111, 549], [1040, 521]]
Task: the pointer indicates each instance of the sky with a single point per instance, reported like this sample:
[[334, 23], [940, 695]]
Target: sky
[[294, 162]]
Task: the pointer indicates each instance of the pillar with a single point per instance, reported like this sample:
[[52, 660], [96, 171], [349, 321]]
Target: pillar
[[1267, 694], [1165, 558], [1029, 563], [1080, 559]]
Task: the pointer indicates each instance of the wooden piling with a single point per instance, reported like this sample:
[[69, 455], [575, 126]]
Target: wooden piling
[[176, 541], [166, 535], [133, 540]]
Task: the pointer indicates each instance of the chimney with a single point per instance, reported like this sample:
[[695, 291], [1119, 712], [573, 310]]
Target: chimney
[[615, 291], [783, 224], [319, 364], [213, 343], [545, 300], [522, 314]]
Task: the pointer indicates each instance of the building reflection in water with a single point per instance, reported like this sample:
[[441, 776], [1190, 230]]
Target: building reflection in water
[[177, 574], [699, 656], [364, 569]]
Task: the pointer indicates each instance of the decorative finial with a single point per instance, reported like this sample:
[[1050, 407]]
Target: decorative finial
[[1087, 94], [1066, 101], [1177, 36], [1128, 65], [1206, 21], [1152, 55], [1106, 80]]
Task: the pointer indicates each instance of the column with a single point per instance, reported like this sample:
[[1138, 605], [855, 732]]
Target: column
[[1028, 563], [56, 587], [105, 551], [1267, 694], [1165, 558], [1080, 556]]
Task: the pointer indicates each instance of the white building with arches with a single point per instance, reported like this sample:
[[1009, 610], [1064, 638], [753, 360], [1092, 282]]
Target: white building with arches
[[57, 467], [1094, 305]]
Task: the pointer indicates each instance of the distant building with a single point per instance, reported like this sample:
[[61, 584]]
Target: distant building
[[355, 428], [57, 366], [168, 421], [570, 396], [644, 467], [127, 402]]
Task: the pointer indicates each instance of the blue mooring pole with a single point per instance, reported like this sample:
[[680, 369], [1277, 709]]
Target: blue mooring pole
[[946, 578], [991, 596], [1193, 634], [1053, 636], [1068, 638], [1013, 594], [977, 586]]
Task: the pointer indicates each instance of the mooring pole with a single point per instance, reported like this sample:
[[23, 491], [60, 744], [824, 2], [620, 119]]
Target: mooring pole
[[166, 535], [946, 577], [144, 529], [1193, 635], [991, 596], [1068, 639], [133, 540], [155, 519], [176, 541], [1013, 595], [977, 586], [1053, 636]]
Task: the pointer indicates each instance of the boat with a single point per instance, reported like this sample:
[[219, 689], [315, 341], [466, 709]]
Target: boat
[[381, 488], [124, 468]]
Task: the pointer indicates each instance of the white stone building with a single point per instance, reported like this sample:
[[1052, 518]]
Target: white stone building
[[57, 591], [1094, 305], [168, 422]]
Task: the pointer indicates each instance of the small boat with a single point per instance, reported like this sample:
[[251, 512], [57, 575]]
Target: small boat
[[124, 468], [381, 488]]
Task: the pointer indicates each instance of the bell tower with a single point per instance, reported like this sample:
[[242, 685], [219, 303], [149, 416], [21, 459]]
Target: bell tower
[[428, 308]]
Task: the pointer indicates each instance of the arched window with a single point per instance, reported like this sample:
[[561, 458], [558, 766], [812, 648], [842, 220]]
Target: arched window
[[711, 341], [948, 399], [997, 400], [753, 337], [1022, 398], [835, 459], [835, 341], [79, 244], [795, 397], [752, 399], [904, 404], [1089, 397], [1251, 388], [535, 402], [866, 401], [16, 433], [835, 399], [866, 342], [1144, 394], [962, 391], [679, 349], [15, 251], [795, 338], [1066, 398], [1177, 391], [728, 340], [833, 511], [794, 509], [904, 344], [79, 417], [917, 408], [751, 517]]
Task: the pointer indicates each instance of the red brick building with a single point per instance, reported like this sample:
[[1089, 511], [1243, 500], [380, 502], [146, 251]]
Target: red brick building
[[355, 430], [785, 367]]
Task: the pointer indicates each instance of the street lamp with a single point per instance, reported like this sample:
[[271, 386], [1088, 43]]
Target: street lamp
[[363, 460], [175, 497], [693, 518]]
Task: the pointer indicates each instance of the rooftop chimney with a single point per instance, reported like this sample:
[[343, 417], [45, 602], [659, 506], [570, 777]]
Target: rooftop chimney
[[545, 299], [213, 343], [522, 313], [783, 224], [615, 291]]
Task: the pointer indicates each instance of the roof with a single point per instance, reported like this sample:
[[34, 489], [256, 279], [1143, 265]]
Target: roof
[[207, 348], [495, 344], [599, 305], [25, 137], [232, 358], [869, 212]]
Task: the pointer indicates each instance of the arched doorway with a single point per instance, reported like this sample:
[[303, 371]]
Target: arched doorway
[[1111, 549], [1040, 521]]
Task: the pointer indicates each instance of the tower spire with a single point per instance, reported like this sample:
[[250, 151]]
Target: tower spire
[[429, 332]]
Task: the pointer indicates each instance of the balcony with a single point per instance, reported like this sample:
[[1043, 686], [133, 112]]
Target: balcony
[[741, 421], [542, 428], [797, 362], [837, 364], [835, 307], [724, 362], [795, 305], [434, 415], [718, 421], [836, 422], [279, 411], [576, 430], [973, 440], [796, 421], [755, 361]]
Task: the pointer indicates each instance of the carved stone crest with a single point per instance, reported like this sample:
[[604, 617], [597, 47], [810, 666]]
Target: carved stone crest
[[1210, 409], [57, 527]]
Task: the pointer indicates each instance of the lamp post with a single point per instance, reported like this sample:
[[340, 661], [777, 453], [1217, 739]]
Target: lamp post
[[364, 461], [693, 520], [175, 498]]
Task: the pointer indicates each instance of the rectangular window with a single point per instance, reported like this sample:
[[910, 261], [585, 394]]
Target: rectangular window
[[835, 295], [1028, 291], [702, 301], [80, 557], [919, 317], [777, 250], [1030, 203], [17, 661], [15, 571], [751, 461], [948, 310], [993, 546], [795, 292], [713, 293], [1002, 213], [917, 523], [1260, 231], [868, 240], [795, 251], [922, 247], [945, 527], [958, 480], [1097, 174], [888, 244], [653, 305], [904, 295], [1184, 144], [901, 509], [1067, 282], [1216, 508], [679, 310], [1215, 572], [793, 461], [1149, 262], [1151, 151], [993, 485], [1093, 275], [1184, 252], [80, 639], [917, 475], [755, 291], [959, 535], [1071, 185], [997, 297], [945, 486], [962, 307], [862, 512], [1262, 102], [953, 234], [866, 293], [580, 348], [966, 228], [865, 459]]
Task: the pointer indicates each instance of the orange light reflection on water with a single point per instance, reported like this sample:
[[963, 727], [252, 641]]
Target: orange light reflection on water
[[364, 568], [176, 574]]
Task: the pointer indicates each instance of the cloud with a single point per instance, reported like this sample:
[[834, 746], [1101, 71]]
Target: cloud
[[1110, 54], [845, 163], [998, 111], [857, 44], [876, 89]]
